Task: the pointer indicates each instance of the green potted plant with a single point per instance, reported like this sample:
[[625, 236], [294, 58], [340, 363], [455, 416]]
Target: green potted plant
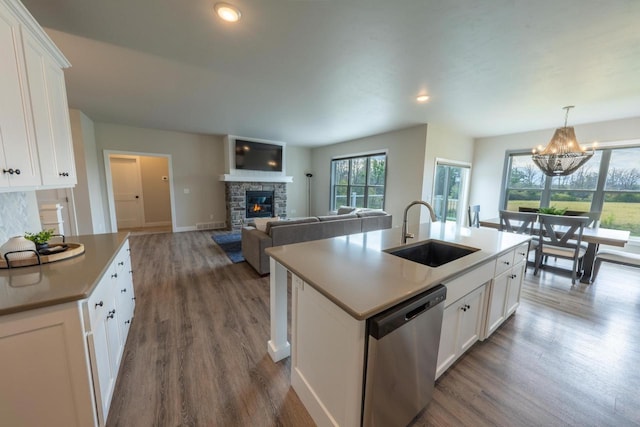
[[40, 238], [552, 210]]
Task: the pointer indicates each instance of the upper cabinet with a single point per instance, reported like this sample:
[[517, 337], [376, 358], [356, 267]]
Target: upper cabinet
[[18, 156], [36, 150]]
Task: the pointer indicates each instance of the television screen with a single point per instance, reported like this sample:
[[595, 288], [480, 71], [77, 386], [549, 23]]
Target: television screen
[[258, 156]]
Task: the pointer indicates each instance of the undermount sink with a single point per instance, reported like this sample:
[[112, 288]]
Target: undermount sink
[[432, 253]]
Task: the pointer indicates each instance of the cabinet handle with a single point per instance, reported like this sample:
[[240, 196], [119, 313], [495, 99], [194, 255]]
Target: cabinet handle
[[99, 304], [463, 308], [133, 298], [111, 314], [513, 276], [506, 262], [11, 171], [114, 275], [63, 174], [123, 290], [121, 263], [127, 322], [468, 306]]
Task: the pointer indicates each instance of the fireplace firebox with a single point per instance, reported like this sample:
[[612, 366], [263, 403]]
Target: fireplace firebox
[[259, 204]]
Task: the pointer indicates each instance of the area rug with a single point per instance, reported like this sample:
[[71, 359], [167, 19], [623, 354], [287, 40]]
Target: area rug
[[231, 245]]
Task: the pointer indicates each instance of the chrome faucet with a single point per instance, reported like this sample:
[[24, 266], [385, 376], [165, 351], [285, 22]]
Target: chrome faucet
[[406, 235]]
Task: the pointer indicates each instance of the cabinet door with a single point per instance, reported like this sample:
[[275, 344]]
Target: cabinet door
[[103, 378], [447, 351], [497, 302], [50, 116], [18, 156], [471, 320], [515, 285]]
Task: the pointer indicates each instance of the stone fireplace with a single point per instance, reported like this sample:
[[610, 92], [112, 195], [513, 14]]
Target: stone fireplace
[[245, 200]]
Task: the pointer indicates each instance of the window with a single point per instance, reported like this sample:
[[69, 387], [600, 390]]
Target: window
[[359, 181], [450, 188], [608, 183]]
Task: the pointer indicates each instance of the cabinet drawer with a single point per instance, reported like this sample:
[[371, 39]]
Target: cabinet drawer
[[463, 285], [521, 253], [98, 303], [504, 262]]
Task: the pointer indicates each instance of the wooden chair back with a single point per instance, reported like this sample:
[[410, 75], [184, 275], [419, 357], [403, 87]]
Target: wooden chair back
[[518, 222], [561, 231]]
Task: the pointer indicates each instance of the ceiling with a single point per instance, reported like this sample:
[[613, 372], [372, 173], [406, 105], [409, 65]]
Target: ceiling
[[314, 72]]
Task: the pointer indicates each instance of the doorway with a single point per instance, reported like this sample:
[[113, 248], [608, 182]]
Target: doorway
[[139, 191], [451, 190]]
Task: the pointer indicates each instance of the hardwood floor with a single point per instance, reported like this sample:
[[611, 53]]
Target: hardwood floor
[[196, 353]]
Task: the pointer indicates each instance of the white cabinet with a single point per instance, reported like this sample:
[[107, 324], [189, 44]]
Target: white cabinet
[[110, 311], [50, 116], [18, 157], [63, 360], [462, 324], [504, 290], [36, 149]]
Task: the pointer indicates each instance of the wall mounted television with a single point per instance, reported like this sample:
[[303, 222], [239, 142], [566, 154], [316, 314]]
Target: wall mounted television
[[258, 156]]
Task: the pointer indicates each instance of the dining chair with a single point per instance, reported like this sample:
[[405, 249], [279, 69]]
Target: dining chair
[[520, 223], [560, 237], [473, 212]]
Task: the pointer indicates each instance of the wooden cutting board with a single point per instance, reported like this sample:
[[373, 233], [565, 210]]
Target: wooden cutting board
[[73, 249]]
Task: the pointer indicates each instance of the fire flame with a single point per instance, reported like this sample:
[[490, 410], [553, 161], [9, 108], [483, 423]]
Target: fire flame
[[256, 208]]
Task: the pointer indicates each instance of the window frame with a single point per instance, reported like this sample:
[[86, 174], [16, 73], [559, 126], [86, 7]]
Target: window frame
[[600, 191], [349, 185]]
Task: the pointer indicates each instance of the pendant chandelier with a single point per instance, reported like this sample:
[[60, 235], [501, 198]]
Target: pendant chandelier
[[562, 155]]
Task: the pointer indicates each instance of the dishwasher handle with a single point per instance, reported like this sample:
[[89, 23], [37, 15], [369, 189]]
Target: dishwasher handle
[[388, 321]]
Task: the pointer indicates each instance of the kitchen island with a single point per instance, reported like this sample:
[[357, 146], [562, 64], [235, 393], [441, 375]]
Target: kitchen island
[[63, 326], [337, 284]]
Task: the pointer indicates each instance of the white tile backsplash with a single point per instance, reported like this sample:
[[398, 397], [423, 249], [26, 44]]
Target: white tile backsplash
[[14, 215]]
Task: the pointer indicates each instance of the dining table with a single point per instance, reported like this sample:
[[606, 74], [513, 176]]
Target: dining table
[[593, 236]]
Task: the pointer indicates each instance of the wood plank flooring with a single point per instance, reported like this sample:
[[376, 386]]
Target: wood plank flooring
[[196, 353]]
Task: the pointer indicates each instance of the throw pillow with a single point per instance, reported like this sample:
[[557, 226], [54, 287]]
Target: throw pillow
[[261, 223]]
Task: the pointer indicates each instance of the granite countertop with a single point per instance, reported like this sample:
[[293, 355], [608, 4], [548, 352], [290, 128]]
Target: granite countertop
[[72, 279], [355, 273]]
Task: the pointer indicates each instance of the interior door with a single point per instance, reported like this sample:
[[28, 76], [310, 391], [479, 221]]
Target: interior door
[[127, 193]]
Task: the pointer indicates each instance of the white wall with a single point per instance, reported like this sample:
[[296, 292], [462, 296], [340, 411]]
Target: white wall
[[489, 155], [444, 143], [297, 164], [197, 162], [90, 199], [405, 165]]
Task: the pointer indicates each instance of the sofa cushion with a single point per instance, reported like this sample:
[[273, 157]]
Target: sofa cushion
[[364, 213], [337, 217], [272, 224], [345, 210]]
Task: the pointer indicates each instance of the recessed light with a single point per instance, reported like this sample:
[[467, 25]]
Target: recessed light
[[422, 98], [227, 12]]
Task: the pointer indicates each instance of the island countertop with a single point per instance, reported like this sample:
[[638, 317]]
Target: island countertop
[[354, 273], [72, 279]]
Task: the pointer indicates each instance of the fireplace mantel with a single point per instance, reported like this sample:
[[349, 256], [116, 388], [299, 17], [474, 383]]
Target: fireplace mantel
[[254, 178]]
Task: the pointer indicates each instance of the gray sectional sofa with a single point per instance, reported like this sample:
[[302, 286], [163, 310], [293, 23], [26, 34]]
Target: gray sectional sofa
[[283, 232]]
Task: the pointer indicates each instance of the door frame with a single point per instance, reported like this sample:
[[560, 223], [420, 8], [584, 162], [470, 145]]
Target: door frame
[[109, 183]]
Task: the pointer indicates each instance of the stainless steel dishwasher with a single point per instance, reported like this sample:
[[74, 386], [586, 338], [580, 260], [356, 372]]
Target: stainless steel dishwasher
[[402, 354]]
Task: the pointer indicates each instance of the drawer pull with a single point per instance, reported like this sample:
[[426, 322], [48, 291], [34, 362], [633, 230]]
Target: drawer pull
[[99, 304], [121, 263], [127, 322], [521, 253], [123, 290], [513, 276], [115, 275], [506, 262]]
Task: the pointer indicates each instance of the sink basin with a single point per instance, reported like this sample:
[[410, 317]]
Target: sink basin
[[433, 253]]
